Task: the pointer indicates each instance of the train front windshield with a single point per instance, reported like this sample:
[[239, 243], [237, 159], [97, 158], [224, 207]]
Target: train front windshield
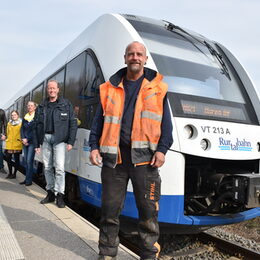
[[201, 85]]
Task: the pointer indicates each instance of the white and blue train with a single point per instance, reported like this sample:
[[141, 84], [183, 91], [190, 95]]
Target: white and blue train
[[211, 175]]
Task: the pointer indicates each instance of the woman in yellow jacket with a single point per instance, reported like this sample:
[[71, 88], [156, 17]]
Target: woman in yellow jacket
[[13, 143]]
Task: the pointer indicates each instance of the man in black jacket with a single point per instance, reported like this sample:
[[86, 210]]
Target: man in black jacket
[[55, 130]]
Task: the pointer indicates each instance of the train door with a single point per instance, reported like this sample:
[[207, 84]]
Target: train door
[[74, 81], [83, 77]]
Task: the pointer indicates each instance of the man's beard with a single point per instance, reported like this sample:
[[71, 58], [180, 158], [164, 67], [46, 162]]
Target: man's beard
[[135, 67]]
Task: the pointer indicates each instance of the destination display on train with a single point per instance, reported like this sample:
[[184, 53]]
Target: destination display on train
[[206, 109]]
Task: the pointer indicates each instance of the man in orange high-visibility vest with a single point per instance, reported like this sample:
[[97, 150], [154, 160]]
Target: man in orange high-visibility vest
[[130, 135]]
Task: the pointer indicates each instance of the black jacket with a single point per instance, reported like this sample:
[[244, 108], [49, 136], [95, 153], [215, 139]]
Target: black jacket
[[65, 124], [27, 130]]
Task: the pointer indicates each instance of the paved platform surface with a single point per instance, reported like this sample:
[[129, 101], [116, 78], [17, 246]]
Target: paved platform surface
[[30, 230]]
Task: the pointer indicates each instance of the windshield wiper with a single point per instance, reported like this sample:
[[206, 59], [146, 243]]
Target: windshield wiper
[[171, 27], [224, 70], [219, 57]]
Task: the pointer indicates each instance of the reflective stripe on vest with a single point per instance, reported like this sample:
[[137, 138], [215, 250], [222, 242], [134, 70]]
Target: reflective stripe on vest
[[151, 115], [111, 119], [108, 149], [144, 144]]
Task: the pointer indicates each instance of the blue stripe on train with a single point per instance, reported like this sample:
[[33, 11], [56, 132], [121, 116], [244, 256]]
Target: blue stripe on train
[[171, 208]]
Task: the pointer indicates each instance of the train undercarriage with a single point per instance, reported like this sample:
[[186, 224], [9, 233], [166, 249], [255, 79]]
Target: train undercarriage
[[233, 186]]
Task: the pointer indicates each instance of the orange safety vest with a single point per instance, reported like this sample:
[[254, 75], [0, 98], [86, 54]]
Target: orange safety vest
[[146, 128]]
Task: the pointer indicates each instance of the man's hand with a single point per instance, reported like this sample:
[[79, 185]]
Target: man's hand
[[69, 147], [158, 160], [95, 157], [3, 137], [37, 150]]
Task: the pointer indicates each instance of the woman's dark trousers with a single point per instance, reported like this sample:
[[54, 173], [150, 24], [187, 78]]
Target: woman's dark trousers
[[12, 174], [29, 153]]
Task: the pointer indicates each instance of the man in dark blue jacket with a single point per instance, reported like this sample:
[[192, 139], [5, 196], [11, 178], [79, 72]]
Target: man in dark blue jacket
[[132, 101], [55, 130]]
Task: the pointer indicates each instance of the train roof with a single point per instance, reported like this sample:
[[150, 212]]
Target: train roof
[[94, 37]]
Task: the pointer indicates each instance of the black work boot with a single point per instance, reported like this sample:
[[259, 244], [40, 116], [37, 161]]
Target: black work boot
[[13, 176], [2, 170], [49, 198], [9, 176], [60, 201]]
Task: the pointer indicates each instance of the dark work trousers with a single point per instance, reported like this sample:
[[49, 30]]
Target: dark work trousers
[[147, 188]]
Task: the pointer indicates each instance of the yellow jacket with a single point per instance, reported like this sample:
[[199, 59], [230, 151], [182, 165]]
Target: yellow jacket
[[13, 141]]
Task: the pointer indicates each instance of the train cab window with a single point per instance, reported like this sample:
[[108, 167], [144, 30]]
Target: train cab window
[[25, 101], [59, 77], [37, 94], [202, 82]]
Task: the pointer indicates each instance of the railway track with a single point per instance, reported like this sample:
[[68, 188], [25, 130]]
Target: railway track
[[203, 246], [229, 247]]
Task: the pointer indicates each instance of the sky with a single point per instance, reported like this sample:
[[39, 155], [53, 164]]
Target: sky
[[33, 32]]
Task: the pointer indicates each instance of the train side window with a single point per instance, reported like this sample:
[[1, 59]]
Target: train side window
[[44, 90], [59, 77], [90, 92], [15, 106], [19, 106], [37, 94], [74, 82], [83, 77], [8, 114], [75, 78], [25, 101]]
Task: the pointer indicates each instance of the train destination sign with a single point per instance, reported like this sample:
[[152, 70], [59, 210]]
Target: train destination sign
[[212, 110]]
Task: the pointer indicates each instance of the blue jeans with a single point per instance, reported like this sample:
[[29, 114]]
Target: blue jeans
[[29, 153], [54, 157], [1, 155]]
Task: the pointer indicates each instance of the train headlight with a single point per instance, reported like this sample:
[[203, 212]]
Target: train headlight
[[190, 131], [205, 144]]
